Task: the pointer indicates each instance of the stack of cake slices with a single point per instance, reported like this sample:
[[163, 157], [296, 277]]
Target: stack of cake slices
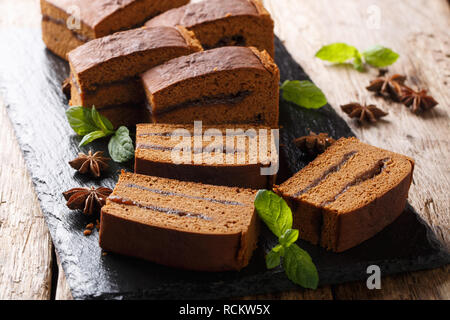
[[200, 84]]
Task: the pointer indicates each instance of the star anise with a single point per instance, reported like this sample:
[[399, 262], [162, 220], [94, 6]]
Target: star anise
[[388, 87], [363, 112], [66, 88], [92, 163], [90, 200], [418, 100], [314, 143]]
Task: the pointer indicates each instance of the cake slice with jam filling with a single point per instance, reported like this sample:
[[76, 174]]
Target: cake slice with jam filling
[[220, 23], [236, 85], [348, 194], [180, 224]]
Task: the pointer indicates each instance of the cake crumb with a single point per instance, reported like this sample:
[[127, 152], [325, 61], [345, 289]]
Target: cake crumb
[[90, 226], [87, 232]]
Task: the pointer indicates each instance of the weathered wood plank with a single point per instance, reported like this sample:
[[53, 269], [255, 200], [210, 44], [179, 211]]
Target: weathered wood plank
[[25, 244], [418, 30], [62, 287]]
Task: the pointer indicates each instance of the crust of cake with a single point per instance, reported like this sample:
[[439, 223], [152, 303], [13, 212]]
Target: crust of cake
[[221, 23], [348, 194], [184, 242], [222, 82], [97, 19], [126, 54]]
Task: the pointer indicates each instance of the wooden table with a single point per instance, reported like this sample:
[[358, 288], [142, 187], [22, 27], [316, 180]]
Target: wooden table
[[417, 29]]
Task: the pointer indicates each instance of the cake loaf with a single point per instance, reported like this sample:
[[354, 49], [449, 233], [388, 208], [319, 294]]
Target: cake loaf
[[220, 23], [104, 71], [180, 224], [218, 86], [67, 24], [221, 155], [348, 194]]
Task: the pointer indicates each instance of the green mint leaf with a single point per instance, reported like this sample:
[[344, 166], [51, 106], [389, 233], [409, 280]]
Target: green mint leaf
[[120, 145], [289, 237], [279, 248], [303, 93], [337, 52], [300, 268], [379, 56], [273, 259], [94, 135], [358, 63], [80, 120], [101, 122], [274, 211]]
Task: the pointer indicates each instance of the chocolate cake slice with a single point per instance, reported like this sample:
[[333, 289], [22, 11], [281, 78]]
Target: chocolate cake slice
[[67, 24], [218, 86], [104, 71], [220, 23], [348, 194], [222, 155], [180, 224]]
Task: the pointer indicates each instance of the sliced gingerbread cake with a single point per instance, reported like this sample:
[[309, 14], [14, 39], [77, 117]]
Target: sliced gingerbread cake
[[104, 71], [180, 224], [67, 24], [220, 23], [244, 156], [348, 194], [218, 86]]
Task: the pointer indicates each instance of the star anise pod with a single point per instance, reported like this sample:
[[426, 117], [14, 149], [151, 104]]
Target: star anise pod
[[363, 112], [388, 87], [418, 100], [66, 88], [90, 200], [92, 163], [314, 143]]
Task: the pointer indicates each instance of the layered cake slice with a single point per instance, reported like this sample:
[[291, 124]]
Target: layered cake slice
[[348, 194], [244, 156], [180, 224], [67, 24], [218, 86], [220, 23], [104, 72]]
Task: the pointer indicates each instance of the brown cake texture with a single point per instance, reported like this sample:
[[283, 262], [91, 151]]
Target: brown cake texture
[[180, 224], [104, 71], [218, 86], [221, 155], [67, 24], [220, 23], [348, 194]]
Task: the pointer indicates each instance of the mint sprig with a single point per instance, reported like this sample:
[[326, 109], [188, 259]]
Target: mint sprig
[[303, 93], [376, 56], [297, 263], [91, 125]]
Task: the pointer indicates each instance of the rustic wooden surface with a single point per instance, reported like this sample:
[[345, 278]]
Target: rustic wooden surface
[[418, 30]]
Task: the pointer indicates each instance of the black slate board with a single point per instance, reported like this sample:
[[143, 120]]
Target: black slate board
[[30, 79]]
